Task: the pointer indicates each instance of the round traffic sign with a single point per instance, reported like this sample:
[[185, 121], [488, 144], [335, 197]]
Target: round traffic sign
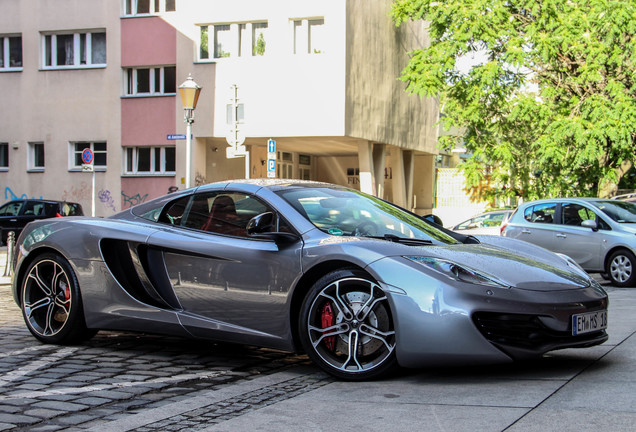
[[87, 156]]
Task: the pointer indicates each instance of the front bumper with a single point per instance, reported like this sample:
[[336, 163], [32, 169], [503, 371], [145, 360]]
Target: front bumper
[[444, 322]]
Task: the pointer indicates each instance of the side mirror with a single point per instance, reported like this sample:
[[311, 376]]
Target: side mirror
[[590, 224], [262, 225], [433, 218]]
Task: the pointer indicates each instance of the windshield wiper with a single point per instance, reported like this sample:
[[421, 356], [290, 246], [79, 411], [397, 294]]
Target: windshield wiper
[[403, 240]]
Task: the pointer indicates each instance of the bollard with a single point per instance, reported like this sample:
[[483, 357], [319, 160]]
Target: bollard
[[10, 247]]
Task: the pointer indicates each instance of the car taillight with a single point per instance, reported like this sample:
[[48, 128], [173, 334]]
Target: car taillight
[[503, 227], [58, 215]]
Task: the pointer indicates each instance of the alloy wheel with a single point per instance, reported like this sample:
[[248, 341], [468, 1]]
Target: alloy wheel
[[621, 268], [47, 298], [350, 328]]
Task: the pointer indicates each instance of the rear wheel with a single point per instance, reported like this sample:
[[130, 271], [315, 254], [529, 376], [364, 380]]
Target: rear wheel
[[346, 326], [621, 268], [51, 301]]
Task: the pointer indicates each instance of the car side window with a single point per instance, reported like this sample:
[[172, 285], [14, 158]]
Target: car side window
[[575, 214], [540, 213], [219, 212], [472, 223], [11, 209], [494, 219]]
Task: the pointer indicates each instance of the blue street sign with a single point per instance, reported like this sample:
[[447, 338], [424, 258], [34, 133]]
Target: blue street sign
[[271, 165], [87, 156], [176, 136], [271, 146]]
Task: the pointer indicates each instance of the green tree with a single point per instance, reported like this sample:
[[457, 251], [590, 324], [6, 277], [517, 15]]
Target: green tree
[[259, 48], [551, 109]]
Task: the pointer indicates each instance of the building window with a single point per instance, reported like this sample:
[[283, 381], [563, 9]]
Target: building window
[[4, 156], [154, 81], [35, 159], [259, 31], [234, 115], [74, 50], [309, 36], [10, 53], [99, 155], [232, 40], [147, 7], [285, 165], [222, 41], [150, 160]]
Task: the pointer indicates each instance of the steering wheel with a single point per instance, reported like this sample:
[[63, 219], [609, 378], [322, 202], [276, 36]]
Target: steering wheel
[[366, 229]]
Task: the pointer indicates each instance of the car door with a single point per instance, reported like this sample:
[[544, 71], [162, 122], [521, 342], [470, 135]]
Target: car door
[[537, 226], [226, 283], [580, 243]]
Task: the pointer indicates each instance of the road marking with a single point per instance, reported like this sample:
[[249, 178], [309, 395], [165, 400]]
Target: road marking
[[204, 398], [92, 388], [43, 362], [24, 351]]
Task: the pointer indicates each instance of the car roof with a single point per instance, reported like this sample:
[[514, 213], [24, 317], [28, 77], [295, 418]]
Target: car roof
[[561, 200], [274, 183]]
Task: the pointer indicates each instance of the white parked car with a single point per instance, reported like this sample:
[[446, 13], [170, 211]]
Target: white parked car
[[599, 234], [484, 223]]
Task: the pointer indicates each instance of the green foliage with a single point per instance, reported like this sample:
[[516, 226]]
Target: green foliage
[[204, 53], [259, 48], [551, 109]]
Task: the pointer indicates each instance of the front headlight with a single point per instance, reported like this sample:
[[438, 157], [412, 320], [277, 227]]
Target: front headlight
[[458, 272]]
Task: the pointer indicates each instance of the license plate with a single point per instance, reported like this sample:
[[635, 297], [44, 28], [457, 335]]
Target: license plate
[[589, 322]]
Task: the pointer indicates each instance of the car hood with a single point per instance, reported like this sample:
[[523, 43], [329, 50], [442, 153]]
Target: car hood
[[628, 227], [544, 271]]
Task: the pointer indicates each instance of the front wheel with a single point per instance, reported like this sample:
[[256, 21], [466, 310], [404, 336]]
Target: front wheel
[[621, 268], [51, 301], [346, 326]]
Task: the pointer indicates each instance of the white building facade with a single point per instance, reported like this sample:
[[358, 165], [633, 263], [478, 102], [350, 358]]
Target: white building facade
[[319, 78]]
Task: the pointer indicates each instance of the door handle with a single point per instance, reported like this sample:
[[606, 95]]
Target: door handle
[[561, 235], [526, 231], [13, 220]]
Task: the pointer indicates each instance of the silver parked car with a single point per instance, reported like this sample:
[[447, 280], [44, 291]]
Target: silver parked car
[[490, 223], [599, 234], [359, 284]]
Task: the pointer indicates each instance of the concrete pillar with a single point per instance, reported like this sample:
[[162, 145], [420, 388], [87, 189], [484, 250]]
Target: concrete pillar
[[366, 165], [424, 183], [379, 164], [403, 178], [408, 158]]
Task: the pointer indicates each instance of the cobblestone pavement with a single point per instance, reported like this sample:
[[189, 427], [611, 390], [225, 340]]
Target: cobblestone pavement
[[128, 382]]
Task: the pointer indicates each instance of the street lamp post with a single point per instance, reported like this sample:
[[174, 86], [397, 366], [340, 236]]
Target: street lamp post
[[189, 91]]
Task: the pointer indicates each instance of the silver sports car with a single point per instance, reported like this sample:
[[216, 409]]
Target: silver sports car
[[360, 285]]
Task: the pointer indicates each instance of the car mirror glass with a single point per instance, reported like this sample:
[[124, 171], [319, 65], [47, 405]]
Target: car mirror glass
[[590, 224], [261, 223]]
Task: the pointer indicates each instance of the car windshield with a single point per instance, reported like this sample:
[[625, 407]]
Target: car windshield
[[344, 212], [619, 211]]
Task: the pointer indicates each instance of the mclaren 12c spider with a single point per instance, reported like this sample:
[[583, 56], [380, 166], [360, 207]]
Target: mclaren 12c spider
[[359, 284]]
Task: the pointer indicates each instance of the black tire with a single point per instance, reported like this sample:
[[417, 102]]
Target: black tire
[[51, 302], [621, 268], [355, 309]]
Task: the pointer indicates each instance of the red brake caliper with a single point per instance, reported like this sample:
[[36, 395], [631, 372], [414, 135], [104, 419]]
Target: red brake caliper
[[327, 321], [67, 293]]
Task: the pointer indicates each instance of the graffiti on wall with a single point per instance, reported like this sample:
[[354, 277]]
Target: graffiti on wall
[[133, 200], [107, 199], [10, 195], [200, 179], [79, 193]]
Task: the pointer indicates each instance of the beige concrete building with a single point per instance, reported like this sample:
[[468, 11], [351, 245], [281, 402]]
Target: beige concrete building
[[319, 78]]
